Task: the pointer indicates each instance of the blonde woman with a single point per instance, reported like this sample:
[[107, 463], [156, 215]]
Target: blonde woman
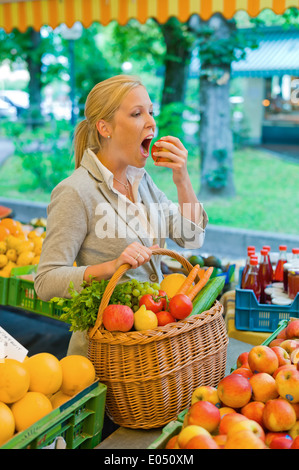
[[109, 211]]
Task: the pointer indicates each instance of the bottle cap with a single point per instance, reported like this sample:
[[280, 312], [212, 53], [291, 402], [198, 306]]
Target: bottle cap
[[295, 251], [267, 247], [264, 252], [250, 249], [254, 260], [282, 247]]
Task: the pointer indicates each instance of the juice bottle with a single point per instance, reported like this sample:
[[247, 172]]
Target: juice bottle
[[268, 248], [287, 266], [250, 252], [278, 275], [252, 278], [264, 274]]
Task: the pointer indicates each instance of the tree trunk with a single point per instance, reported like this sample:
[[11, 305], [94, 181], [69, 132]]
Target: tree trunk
[[216, 142], [178, 53], [34, 69]]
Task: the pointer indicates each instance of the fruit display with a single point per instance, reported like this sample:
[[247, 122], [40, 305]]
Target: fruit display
[[256, 406], [20, 245], [31, 389], [136, 305]]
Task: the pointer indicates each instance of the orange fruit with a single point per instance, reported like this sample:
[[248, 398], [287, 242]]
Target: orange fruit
[[29, 409], [7, 420], [78, 372], [45, 373], [4, 232], [11, 225], [58, 399], [14, 380]]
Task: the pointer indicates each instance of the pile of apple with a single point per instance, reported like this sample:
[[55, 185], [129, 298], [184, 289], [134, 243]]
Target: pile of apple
[[254, 407]]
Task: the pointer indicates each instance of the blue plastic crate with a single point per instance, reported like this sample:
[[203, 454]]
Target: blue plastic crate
[[253, 316]]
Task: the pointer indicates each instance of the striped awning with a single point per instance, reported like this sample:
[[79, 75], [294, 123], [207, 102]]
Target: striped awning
[[277, 54], [36, 13]]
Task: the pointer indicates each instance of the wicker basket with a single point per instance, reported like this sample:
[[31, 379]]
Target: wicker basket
[[151, 374]]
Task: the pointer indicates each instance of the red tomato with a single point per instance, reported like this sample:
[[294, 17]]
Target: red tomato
[[164, 318], [151, 303], [180, 306]]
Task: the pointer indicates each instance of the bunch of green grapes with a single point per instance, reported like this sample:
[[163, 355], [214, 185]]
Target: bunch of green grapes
[[129, 293]]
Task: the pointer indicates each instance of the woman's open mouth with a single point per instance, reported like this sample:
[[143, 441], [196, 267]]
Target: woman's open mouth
[[145, 145]]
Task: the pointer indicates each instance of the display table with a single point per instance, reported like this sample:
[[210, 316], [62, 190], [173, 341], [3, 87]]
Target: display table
[[124, 438]]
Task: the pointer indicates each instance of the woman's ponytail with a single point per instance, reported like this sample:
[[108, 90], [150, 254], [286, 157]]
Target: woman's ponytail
[[80, 141]]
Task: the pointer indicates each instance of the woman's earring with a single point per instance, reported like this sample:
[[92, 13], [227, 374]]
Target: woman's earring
[[108, 136]]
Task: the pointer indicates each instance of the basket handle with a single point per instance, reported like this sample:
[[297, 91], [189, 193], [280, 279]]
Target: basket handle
[[120, 272]]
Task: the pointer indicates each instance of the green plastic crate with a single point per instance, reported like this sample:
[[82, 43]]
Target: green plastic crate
[[79, 422], [22, 295], [4, 288]]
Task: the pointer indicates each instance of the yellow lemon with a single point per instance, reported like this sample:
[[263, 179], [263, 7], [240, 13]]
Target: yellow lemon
[[145, 319], [4, 273], [25, 258], [3, 247], [11, 255], [9, 267], [12, 242], [25, 245], [172, 283], [3, 261], [36, 259]]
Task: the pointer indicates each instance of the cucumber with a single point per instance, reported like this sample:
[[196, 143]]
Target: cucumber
[[208, 294]]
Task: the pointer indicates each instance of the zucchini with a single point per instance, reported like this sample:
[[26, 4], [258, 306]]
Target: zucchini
[[208, 294]]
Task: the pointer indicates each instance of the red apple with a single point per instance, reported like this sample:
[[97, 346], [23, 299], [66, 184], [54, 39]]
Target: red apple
[[202, 442], [276, 342], [285, 367], [247, 425], [264, 387], [262, 359], [224, 410], [282, 334], [234, 390], [287, 382], [246, 372], [281, 443], [206, 393], [282, 356], [204, 414], [254, 410], [278, 415], [220, 440], [296, 408], [228, 420], [118, 318], [295, 356], [294, 431], [290, 345], [171, 443], [164, 318], [272, 435], [292, 329], [295, 444], [187, 433], [155, 148], [244, 440], [242, 359]]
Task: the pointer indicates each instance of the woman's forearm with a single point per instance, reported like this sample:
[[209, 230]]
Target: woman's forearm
[[190, 207]]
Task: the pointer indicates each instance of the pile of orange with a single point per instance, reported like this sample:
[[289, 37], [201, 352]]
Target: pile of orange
[[31, 389], [19, 246]]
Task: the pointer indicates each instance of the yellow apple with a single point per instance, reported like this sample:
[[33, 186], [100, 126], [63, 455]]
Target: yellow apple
[[228, 421], [234, 391], [263, 387], [262, 359], [287, 382], [188, 432], [204, 414], [202, 442], [247, 425], [278, 415], [244, 440], [206, 393], [254, 410], [294, 431]]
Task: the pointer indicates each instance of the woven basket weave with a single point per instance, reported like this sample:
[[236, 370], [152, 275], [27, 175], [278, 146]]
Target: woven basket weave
[[151, 374]]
